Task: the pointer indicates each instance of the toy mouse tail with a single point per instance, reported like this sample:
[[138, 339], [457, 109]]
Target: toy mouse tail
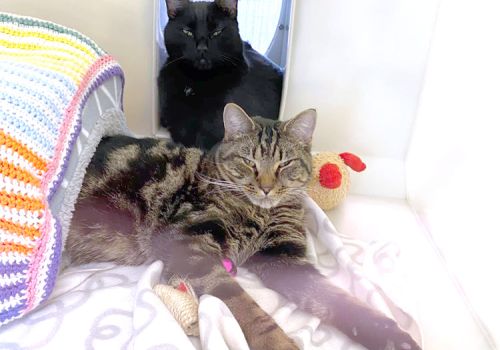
[[353, 161]]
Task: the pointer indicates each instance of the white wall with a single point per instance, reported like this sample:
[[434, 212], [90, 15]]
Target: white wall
[[125, 29], [453, 166], [361, 63]]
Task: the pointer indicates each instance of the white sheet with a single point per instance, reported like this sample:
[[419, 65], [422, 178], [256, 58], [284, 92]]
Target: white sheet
[[103, 306]]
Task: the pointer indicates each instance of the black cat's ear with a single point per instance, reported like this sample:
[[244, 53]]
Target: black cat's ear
[[173, 7], [236, 122], [228, 6], [302, 126]]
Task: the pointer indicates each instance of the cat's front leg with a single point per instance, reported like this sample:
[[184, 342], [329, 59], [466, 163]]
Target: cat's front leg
[[206, 274], [303, 284]]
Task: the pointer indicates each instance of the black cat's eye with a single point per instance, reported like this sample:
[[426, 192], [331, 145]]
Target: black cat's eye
[[187, 32], [216, 33]]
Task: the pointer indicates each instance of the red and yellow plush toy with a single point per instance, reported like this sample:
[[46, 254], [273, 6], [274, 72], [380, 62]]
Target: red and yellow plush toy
[[330, 181]]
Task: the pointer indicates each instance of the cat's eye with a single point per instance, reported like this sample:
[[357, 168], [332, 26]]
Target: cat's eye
[[286, 163], [216, 33], [187, 32], [247, 161]]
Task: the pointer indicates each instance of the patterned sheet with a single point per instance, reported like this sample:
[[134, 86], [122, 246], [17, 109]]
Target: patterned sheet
[[103, 306]]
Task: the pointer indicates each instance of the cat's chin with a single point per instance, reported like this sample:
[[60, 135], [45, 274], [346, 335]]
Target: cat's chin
[[203, 64], [266, 203]]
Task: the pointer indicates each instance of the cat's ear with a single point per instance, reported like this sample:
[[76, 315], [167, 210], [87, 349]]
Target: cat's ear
[[173, 7], [302, 126], [228, 6], [236, 122]]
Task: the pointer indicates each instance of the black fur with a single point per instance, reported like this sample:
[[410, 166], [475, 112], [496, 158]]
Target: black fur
[[204, 72]]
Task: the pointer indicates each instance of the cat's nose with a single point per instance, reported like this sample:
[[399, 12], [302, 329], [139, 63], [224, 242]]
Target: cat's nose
[[202, 47], [266, 188]]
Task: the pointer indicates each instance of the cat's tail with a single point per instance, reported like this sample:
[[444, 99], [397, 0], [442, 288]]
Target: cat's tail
[[367, 326]]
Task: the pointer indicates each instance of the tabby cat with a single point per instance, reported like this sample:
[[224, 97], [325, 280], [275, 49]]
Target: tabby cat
[[208, 66], [147, 199]]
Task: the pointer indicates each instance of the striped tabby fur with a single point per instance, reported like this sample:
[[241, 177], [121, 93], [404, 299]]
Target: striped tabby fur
[[147, 199]]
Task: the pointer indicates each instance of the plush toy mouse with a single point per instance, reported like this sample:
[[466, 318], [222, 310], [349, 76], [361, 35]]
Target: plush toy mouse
[[330, 180]]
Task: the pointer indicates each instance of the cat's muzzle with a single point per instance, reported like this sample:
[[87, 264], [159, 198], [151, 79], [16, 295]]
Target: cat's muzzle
[[203, 63]]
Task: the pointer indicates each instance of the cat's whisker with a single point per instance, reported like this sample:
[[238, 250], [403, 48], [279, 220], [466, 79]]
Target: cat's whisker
[[175, 60], [225, 185], [234, 64], [233, 58], [227, 190], [218, 181], [228, 59], [294, 193], [232, 191]]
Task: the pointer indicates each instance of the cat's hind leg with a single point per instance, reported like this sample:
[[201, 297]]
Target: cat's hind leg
[[303, 284], [206, 274]]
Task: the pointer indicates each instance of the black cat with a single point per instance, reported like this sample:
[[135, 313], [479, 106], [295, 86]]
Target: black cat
[[209, 66]]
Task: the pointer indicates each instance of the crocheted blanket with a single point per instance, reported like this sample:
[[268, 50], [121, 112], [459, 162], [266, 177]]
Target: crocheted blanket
[[47, 74]]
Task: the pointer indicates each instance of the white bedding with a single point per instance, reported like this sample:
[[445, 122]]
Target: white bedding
[[103, 306]]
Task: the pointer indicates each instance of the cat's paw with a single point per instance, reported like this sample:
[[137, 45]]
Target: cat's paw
[[395, 337], [403, 342], [381, 334]]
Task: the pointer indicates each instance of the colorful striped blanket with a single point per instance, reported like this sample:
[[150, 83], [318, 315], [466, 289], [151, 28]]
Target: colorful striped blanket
[[47, 73]]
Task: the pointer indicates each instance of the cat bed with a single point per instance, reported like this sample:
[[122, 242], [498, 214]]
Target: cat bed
[[104, 306], [51, 120]]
